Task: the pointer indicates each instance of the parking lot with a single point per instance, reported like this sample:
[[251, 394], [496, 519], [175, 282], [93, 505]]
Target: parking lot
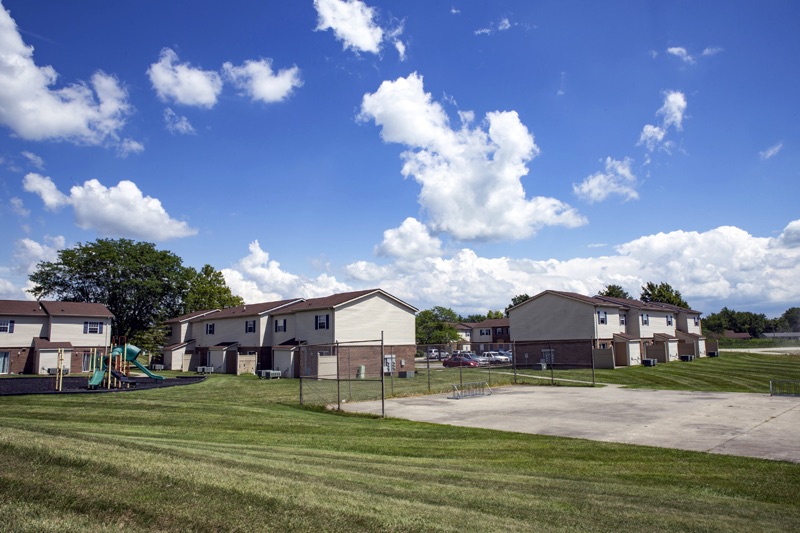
[[751, 425]]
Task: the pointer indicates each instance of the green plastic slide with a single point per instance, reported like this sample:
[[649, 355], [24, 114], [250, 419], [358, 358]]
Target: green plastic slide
[[97, 377], [131, 353]]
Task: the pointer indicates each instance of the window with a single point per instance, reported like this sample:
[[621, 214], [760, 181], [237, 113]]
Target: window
[[280, 325], [249, 326], [485, 332], [697, 321], [209, 329], [6, 326], [321, 322], [669, 320], [168, 331], [622, 319], [92, 327], [4, 356], [499, 331], [645, 319], [251, 352], [602, 317]]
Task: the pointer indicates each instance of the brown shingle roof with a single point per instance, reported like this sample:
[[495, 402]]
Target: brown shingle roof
[[492, 323], [248, 310], [40, 343], [190, 316], [21, 308], [76, 309], [335, 300]]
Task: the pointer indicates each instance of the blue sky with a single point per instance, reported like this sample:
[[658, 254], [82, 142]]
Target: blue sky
[[452, 153]]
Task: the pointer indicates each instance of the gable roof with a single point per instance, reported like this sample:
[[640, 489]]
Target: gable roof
[[336, 300], [189, 316], [633, 304], [492, 323], [247, 310], [21, 308], [76, 309]]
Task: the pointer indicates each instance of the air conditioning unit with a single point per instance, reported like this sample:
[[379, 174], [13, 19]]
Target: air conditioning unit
[[649, 362]]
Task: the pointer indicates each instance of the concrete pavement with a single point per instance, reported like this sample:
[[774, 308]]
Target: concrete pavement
[[751, 425]]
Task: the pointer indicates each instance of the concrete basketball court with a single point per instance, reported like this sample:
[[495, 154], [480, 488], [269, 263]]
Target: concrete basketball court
[[750, 425]]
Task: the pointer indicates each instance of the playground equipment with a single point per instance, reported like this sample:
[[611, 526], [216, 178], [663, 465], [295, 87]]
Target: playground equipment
[[111, 371]]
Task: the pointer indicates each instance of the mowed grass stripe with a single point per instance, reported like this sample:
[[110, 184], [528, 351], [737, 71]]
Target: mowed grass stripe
[[237, 454]]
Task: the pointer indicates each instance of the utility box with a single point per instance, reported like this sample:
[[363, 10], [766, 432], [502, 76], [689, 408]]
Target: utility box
[[406, 374]]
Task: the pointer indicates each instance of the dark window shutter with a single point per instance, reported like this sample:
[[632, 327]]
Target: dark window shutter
[[85, 328], [99, 327], [11, 326]]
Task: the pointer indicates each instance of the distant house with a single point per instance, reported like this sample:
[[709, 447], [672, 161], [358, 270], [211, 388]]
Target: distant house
[[491, 334], [34, 334], [565, 327], [270, 335], [730, 334], [786, 335]]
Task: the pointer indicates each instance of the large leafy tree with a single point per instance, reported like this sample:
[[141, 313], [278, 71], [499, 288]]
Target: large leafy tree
[[140, 285], [614, 291], [791, 318], [664, 293], [208, 290], [435, 326]]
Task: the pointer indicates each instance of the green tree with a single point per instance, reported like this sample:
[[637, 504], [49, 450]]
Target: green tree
[[474, 318], [615, 291], [664, 293], [495, 314], [435, 326], [140, 285], [208, 290], [792, 318], [516, 300]]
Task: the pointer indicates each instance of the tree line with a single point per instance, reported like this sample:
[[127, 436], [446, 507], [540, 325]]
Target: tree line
[[141, 285]]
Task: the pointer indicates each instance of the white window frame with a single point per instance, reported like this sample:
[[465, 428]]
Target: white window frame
[[249, 326], [322, 321], [210, 329], [645, 319], [5, 362], [485, 332], [6, 326], [622, 319], [280, 325], [669, 320], [602, 317], [92, 328], [697, 321]]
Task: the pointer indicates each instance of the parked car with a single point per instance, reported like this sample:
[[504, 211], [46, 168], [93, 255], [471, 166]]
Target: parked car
[[459, 360], [495, 358], [482, 361]]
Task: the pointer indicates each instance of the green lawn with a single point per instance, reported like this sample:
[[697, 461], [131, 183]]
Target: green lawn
[[239, 454]]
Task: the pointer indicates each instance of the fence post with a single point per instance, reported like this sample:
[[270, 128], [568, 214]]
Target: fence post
[[383, 379]]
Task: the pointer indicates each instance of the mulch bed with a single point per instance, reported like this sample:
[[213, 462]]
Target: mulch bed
[[11, 386]]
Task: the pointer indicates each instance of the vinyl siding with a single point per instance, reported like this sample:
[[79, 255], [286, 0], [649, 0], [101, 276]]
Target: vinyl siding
[[366, 318], [280, 337], [658, 323], [70, 329], [553, 317], [25, 329], [304, 327], [229, 330]]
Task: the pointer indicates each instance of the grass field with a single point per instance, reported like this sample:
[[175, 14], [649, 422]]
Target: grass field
[[239, 454]]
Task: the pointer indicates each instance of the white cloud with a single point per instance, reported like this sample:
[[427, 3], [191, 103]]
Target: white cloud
[[790, 238], [34, 159], [128, 147], [259, 82], [411, 240], [120, 211], [257, 278], [28, 253], [352, 22], [673, 109], [45, 188], [401, 49], [182, 83], [681, 53], [471, 178], [454, 10], [770, 152], [671, 112], [177, 124], [712, 51], [18, 207], [617, 179], [504, 24], [80, 113]]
